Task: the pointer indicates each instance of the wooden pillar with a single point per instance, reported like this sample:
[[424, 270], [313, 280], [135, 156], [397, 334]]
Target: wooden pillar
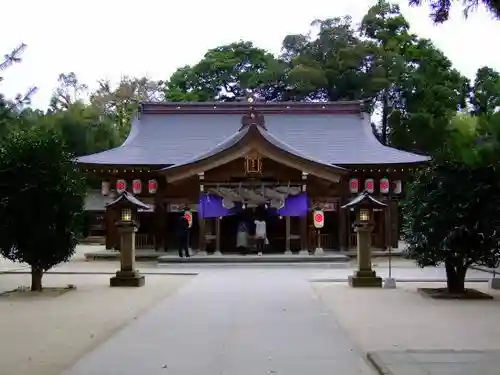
[[217, 236], [108, 228], [159, 217], [350, 243], [112, 235], [303, 221], [287, 235], [201, 221], [343, 216], [343, 230], [395, 224]]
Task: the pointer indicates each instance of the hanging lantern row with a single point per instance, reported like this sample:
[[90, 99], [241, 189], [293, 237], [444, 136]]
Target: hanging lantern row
[[369, 186], [121, 186]]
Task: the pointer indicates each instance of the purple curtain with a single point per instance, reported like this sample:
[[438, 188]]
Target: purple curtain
[[211, 206], [295, 205]]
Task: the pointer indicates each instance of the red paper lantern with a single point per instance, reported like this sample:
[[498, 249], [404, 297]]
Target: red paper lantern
[[121, 186], [137, 186], [384, 185], [152, 186], [397, 186], [105, 188], [353, 185], [370, 185]]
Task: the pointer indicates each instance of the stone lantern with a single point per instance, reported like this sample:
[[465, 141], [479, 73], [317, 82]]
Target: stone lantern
[[363, 205], [126, 204]]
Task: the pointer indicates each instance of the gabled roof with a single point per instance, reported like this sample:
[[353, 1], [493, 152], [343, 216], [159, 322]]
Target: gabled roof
[[364, 197], [126, 196], [256, 139], [174, 133]]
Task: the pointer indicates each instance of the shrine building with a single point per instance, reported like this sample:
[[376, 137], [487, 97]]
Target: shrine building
[[225, 160]]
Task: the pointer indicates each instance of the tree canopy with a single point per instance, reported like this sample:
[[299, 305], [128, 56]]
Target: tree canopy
[[405, 81], [440, 9]]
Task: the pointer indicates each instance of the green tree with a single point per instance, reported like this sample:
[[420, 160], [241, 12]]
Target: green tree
[[225, 73], [452, 207], [440, 9], [41, 203], [391, 44], [431, 94], [83, 129], [330, 65], [69, 90], [485, 96], [121, 102]]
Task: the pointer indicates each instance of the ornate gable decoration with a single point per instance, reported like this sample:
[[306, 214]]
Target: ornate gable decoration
[[253, 117], [253, 164]]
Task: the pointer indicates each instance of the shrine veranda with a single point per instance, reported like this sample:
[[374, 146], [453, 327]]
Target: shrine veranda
[[251, 156]]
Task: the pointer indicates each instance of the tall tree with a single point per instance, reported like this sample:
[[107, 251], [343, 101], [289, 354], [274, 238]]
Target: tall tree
[[431, 93], [68, 91], [225, 73], [485, 96], [330, 66], [440, 9], [391, 44], [121, 102]]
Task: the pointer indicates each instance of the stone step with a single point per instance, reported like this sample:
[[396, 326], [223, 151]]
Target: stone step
[[269, 258]]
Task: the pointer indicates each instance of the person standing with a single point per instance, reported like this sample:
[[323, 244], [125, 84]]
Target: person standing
[[260, 235], [183, 236], [242, 237]]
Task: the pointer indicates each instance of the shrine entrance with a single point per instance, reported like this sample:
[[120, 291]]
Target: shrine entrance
[[247, 201]]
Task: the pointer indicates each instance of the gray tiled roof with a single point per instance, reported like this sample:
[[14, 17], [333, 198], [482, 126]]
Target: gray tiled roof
[[223, 146], [166, 139]]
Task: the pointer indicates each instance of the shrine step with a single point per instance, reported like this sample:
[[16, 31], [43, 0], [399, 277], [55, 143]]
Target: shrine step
[[245, 259]]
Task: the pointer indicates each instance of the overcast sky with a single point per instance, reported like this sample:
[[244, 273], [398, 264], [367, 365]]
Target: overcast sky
[[110, 38]]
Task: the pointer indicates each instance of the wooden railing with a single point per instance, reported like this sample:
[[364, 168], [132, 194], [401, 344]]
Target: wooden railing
[[354, 239], [327, 241], [144, 241]]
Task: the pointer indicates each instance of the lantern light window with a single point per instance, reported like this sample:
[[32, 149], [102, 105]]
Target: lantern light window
[[126, 214], [364, 214]]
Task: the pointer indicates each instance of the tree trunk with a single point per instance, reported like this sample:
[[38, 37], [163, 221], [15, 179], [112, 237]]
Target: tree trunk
[[385, 117], [455, 278], [36, 279]]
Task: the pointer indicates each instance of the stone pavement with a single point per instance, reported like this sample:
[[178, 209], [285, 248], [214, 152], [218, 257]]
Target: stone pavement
[[243, 321], [437, 362]]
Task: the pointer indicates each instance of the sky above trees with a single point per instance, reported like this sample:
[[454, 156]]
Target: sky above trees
[[97, 39]]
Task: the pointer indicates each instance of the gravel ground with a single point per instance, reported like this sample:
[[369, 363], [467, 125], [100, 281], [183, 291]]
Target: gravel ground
[[402, 319], [47, 334]]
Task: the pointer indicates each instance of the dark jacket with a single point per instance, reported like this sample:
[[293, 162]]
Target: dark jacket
[[182, 227]]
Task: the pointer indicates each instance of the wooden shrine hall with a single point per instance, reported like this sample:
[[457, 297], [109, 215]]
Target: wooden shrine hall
[[255, 157]]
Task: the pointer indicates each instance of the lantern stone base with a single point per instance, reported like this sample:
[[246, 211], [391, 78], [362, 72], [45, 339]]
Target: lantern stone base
[[365, 278], [390, 283], [494, 283], [127, 278]]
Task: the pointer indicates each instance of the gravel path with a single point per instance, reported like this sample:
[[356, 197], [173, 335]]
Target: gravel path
[[226, 322]]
